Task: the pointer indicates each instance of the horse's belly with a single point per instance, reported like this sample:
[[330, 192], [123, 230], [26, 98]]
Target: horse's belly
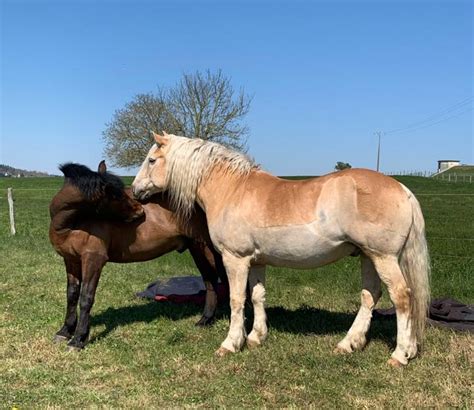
[[299, 246]]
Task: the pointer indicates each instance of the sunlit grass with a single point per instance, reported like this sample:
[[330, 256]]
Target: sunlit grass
[[147, 354]]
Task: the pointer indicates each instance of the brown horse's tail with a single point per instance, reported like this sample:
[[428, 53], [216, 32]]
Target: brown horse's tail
[[415, 265]]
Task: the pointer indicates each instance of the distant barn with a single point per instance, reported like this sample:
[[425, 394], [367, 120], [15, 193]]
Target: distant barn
[[444, 164]]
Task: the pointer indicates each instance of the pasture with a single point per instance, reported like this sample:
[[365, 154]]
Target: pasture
[[148, 354]]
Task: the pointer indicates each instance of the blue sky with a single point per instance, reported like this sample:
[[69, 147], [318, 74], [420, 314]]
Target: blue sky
[[324, 75]]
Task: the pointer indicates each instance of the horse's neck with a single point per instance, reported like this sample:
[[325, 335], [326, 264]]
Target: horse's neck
[[64, 220], [64, 211], [217, 187]]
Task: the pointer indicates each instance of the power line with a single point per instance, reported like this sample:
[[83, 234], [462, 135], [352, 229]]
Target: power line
[[437, 117], [442, 120]]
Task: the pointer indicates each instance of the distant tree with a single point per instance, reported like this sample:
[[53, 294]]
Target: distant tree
[[127, 137], [342, 165], [200, 105]]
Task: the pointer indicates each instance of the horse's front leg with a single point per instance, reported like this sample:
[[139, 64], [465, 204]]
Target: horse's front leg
[[257, 291], [237, 272], [92, 265], [73, 271]]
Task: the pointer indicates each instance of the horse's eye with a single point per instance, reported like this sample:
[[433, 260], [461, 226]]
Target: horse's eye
[[151, 160]]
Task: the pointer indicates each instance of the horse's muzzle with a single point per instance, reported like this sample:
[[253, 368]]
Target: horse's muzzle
[[138, 193]]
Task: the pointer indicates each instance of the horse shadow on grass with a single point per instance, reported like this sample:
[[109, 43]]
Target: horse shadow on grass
[[305, 319], [309, 320], [113, 318]]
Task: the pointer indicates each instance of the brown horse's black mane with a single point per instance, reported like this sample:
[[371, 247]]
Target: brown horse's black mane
[[93, 185]]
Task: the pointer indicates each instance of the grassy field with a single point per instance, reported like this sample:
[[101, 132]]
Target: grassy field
[[148, 354], [461, 170], [460, 173]]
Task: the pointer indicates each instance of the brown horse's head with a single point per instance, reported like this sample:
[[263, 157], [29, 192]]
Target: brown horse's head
[[102, 192]]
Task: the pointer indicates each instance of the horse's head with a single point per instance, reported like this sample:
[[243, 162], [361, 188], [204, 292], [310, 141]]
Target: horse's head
[[116, 201], [102, 191], [151, 177]]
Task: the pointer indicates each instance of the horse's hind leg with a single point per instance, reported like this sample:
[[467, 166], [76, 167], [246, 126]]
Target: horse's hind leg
[[391, 274], [92, 265], [257, 291], [205, 261], [356, 336], [73, 270]]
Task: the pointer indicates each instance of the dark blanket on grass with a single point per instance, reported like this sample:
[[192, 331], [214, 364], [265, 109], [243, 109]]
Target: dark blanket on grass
[[185, 289], [444, 312]]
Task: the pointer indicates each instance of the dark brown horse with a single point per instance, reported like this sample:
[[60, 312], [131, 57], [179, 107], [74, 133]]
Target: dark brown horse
[[95, 220]]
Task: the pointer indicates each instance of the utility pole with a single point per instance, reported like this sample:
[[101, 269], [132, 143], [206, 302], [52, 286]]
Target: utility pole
[[379, 134]]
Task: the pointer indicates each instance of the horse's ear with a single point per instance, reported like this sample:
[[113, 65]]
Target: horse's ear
[[102, 167], [160, 139]]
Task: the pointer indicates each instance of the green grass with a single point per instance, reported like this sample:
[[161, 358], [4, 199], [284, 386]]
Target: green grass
[[147, 354]]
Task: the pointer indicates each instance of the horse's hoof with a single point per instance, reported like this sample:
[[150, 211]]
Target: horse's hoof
[[73, 349], [205, 321], [341, 350], [395, 363], [222, 351], [253, 344], [60, 339]]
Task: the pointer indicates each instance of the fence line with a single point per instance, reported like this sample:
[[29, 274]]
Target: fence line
[[449, 239], [450, 256], [443, 176], [13, 228], [406, 173], [37, 189], [440, 194], [417, 194], [453, 177]]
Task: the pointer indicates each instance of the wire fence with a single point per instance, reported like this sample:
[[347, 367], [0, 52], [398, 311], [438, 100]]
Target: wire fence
[[454, 177], [409, 173], [443, 176], [450, 236]]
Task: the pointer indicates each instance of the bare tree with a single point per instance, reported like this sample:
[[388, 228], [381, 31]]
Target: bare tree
[[199, 106], [206, 106], [127, 137]]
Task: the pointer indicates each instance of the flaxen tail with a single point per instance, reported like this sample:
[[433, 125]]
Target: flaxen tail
[[415, 265]]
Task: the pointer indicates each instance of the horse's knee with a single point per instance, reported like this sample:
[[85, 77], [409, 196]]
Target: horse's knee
[[237, 302], [367, 299], [258, 293]]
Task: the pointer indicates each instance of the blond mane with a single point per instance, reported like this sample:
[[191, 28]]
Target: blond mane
[[189, 161]]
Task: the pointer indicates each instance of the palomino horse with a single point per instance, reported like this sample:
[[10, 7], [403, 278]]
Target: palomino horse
[[256, 219], [95, 220]]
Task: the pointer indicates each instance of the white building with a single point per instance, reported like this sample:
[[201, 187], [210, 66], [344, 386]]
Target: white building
[[444, 164]]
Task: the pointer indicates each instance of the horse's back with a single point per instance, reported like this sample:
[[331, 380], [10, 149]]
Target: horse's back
[[273, 201]]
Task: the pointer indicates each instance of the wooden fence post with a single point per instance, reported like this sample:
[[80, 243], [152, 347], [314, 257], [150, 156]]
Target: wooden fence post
[[12, 214]]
